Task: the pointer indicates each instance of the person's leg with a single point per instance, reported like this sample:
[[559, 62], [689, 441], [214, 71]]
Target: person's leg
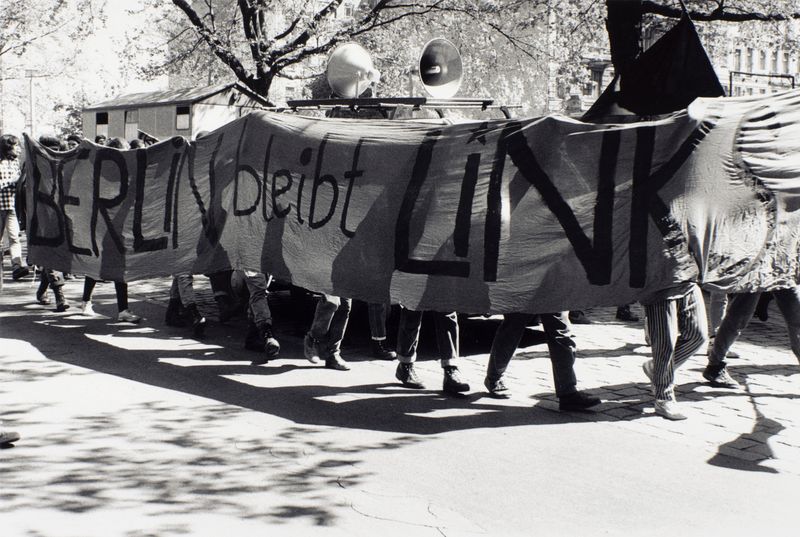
[[56, 279], [692, 326], [317, 336], [11, 224], [662, 323], [376, 313], [174, 315], [562, 349], [88, 288], [260, 315], [124, 313], [738, 313], [338, 326], [504, 345], [788, 301], [41, 291], [446, 325], [717, 304], [407, 341], [223, 294]]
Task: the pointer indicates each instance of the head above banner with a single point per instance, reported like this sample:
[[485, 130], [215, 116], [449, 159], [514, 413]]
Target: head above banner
[[350, 71], [440, 68]]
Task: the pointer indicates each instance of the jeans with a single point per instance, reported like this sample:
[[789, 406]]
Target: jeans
[[677, 328], [377, 320], [257, 306], [446, 336], [740, 310], [330, 321], [559, 342], [10, 226], [717, 304]]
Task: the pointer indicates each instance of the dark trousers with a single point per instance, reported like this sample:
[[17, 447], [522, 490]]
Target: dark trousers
[[559, 342]]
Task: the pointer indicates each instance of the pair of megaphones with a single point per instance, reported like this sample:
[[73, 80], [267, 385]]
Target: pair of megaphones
[[350, 69]]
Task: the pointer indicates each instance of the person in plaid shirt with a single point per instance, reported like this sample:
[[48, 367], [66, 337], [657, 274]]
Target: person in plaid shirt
[[10, 151]]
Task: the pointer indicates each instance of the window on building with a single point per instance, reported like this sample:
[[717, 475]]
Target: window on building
[[131, 124], [750, 57], [786, 63], [737, 60], [774, 61], [182, 118], [101, 123], [762, 60]]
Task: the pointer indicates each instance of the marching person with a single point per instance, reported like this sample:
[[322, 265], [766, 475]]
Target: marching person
[[377, 313], [676, 323], [10, 174], [562, 349], [182, 299], [259, 317]]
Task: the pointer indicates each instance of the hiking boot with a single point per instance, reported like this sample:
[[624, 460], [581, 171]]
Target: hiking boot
[[311, 347], [453, 383], [717, 376], [669, 409], [406, 374], [497, 388], [127, 316], [268, 345], [624, 313], [380, 351], [335, 361], [577, 401]]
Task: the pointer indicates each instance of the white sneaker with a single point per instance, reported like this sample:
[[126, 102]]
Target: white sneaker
[[669, 409], [125, 316], [86, 309]]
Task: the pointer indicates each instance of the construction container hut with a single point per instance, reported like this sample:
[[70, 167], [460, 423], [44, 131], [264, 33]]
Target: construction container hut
[[163, 114]]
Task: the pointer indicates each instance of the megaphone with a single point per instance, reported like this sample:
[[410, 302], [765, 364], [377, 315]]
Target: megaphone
[[350, 71], [440, 68]]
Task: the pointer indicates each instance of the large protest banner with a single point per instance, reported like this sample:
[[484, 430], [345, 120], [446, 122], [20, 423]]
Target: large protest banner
[[536, 215]]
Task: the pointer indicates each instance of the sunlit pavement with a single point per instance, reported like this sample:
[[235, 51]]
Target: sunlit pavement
[[142, 430]]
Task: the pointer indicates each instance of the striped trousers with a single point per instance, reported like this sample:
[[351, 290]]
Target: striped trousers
[[678, 329]]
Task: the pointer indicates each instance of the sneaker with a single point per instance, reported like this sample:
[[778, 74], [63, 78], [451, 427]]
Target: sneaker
[[406, 374], [311, 349], [624, 313], [453, 383], [577, 401], [335, 361], [497, 388], [8, 437], [19, 273], [87, 309], [578, 317], [271, 345], [717, 376], [62, 307], [126, 316], [380, 352], [669, 409]]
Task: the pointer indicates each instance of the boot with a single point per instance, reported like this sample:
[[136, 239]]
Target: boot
[[269, 345], [380, 351], [198, 321], [41, 292], [61, 300], [173, 316]]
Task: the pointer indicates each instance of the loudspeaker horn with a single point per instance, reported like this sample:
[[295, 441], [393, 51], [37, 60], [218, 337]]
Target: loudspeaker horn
[[350, 71], [440, 68]]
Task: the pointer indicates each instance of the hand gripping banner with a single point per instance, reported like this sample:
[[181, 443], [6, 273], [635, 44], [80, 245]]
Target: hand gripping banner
[[535, 215]]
